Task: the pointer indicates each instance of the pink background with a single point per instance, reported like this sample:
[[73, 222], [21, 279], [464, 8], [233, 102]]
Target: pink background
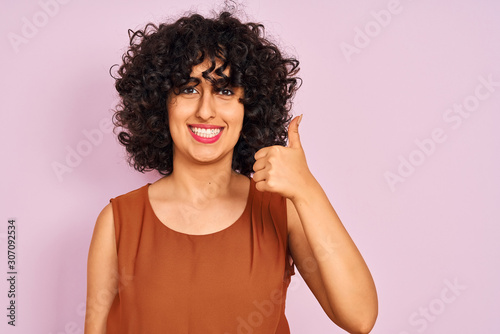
[[364, 113]]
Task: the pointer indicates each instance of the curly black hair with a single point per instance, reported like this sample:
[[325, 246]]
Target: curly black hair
[[159, 61]]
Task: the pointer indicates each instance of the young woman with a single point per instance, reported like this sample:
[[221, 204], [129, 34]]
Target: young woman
[[211, 246]]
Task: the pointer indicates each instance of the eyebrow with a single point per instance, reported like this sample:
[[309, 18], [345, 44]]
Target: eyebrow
[[220, 82]]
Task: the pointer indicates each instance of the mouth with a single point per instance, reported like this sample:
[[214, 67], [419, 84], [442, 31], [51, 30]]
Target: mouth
[[205, 133]]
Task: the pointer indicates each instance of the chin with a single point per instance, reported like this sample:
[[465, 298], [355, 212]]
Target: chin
[[207, 158]]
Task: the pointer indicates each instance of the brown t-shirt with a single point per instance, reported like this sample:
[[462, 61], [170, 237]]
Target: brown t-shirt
[[233, 281]]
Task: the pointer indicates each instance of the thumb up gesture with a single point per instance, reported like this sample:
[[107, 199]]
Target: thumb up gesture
[[281, 169]]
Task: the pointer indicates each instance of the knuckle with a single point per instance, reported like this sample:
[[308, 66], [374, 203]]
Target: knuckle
[[260, 186], [271, 183]]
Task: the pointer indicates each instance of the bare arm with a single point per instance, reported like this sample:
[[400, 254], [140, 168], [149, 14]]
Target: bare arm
[[325, 254], [330, 262], [102, 273]]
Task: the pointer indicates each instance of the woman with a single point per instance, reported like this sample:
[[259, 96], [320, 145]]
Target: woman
[[207, 248]]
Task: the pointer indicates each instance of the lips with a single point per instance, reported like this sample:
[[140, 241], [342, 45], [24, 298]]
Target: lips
[[205, 133]]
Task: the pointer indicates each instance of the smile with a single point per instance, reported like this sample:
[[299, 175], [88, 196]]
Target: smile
[[205, 134]]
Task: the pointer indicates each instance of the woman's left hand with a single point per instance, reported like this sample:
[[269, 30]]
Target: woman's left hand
[[281, 169]]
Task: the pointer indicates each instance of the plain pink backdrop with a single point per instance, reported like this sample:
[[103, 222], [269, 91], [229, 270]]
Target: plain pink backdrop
[[381, 81]]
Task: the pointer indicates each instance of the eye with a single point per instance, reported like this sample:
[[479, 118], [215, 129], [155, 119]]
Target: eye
[[226, 91], [188, 90]]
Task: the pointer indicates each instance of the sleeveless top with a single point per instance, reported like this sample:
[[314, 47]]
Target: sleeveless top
[[233, 281]]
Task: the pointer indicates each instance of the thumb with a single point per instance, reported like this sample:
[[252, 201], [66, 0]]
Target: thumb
[[293, 133]]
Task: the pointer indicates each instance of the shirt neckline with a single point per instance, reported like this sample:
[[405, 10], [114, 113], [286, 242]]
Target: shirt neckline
[[169, 229]]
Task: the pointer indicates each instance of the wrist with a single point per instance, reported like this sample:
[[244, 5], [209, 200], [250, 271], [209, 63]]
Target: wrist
[[306, 190]]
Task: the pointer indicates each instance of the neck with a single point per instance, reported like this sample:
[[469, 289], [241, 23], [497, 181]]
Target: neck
[[201, 183]]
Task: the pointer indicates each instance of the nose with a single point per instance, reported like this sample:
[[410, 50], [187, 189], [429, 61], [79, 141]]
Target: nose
[[206, 107]]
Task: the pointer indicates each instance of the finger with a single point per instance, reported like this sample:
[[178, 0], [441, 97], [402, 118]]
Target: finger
[[261, 153], [261, 186], [260, 176], [260, 164], [293, 133]]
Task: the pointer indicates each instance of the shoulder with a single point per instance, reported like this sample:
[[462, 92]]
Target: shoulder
[[133, 194], [129, 202], [103, 236], [128, 206], [105, 229], [106, 212]]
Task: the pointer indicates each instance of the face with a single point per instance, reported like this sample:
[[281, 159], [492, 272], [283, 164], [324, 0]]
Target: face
[[205, 123]]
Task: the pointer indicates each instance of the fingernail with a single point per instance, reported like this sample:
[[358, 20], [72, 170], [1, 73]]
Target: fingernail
[[300, 118]]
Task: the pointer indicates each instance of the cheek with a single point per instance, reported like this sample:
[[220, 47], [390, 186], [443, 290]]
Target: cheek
[[173, 121], [237, 119], [237, 114], [231, 114]]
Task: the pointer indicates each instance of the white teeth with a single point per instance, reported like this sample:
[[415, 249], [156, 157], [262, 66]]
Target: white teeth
[[205, 133]]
